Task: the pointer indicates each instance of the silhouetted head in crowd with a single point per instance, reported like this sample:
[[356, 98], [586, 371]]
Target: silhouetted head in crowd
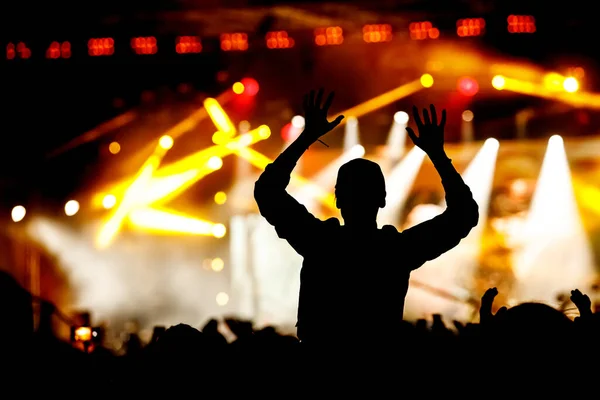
[[535, 325], [360, 192], [180, 342]]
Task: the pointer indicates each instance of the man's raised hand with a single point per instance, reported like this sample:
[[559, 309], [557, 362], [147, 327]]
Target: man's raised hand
[[431, 133], [315, 115]]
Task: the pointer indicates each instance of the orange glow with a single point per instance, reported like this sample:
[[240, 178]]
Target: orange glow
[[423, 30], [521, 24], [19, 51], [334, 35], [377, 33], [101, 47], [234, 42], [470, 27], [188, 44], [59, 50], [279, 40], [144, 45], [83, 334], [114, 148]]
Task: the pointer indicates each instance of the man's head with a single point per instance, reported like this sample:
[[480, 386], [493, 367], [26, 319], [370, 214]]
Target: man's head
[[360, 189]]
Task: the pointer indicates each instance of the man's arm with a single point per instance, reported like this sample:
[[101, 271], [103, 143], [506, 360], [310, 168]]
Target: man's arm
[[432, 238], [291, 220]]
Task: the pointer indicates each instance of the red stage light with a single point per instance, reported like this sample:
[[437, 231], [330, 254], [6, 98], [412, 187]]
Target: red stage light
[[468, 86], [521, 24], [250, 86]]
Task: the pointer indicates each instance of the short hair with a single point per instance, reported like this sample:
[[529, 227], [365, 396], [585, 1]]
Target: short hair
[[361, 180]]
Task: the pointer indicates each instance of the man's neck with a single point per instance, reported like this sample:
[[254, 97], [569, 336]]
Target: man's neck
[[361, 225]]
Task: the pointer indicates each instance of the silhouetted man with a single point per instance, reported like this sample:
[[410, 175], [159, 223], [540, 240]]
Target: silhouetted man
[[354, 277]]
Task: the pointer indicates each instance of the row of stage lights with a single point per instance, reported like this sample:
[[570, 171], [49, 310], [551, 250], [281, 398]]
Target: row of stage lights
[[238, 41]]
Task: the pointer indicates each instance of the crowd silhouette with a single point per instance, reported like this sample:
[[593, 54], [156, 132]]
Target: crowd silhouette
[[351, 337]]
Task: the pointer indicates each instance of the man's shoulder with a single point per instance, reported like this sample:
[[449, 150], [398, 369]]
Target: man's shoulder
[[332, 222]]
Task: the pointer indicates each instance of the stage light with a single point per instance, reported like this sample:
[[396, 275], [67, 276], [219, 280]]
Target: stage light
[[222, 298], [423, 30], [21, 50], [356, 151], [109, 201], [166, 142], [555, 140], [220, 198], [217, 265], [468, 86], [334, 35], [71, 208], [59, 50], [114, 148], [250, 86], [101, 47], [144, 45], [427, 80], [234, 42], [470, 27], [219, 230], [401, 117], [238, 88], [188, 44], [279, 40], [467, 115], [521, 24], [498, 82], [18, 213], [215, 162], [298, 122], [571, 85], [377, 33]]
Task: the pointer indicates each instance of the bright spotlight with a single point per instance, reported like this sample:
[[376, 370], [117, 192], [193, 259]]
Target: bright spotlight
[[555, 140], [492, 143], [71, 208], [215, 162], [498, 82], [352, 121], [217, 265], [298, 122], [18, 213], [401, 117], [109, 201], [238, 88], [571, 85], [220, 198], [222, 299], [166, 142], [219, 230], [467, 116], [427, 80], [357, 151]]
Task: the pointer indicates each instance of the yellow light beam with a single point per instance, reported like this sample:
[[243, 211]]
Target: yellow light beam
[[182, 175], [176, 131], [164, 221], [382, 100], [219, 117], [579, 99], [131, 198]]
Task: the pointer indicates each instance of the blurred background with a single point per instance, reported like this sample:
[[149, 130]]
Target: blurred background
[[133, 136]]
